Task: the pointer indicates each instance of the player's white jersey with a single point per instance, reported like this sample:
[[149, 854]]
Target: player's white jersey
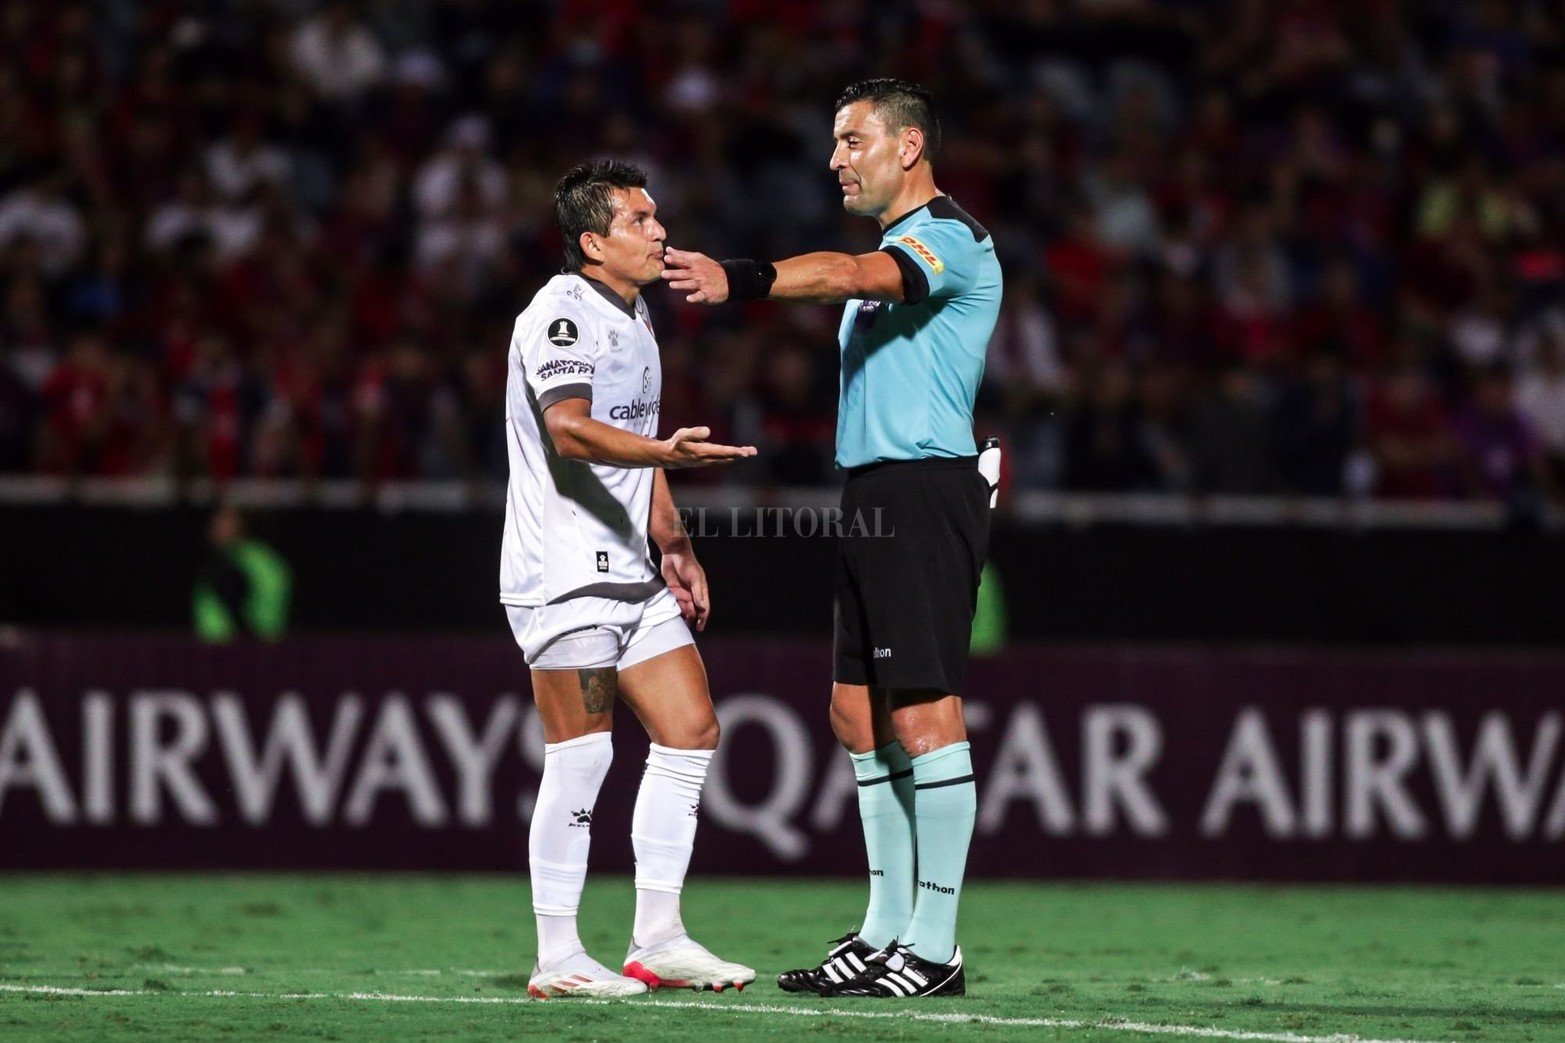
[[573, 528]]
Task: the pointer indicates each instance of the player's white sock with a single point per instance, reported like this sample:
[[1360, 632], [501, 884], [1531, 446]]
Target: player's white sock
[[561, 832], [663, 833]]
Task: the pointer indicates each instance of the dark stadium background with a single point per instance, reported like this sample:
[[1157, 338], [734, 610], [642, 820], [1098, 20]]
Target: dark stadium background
[[1281, 377]]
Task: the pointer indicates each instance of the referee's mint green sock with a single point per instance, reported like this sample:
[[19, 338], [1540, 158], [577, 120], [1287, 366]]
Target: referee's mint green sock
[[886, 808], [945, 802]]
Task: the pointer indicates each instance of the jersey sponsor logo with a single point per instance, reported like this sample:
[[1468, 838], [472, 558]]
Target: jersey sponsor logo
[[925, 252], [882, 653], [603, 561], [564, 368], [637, 410], [562, 332]]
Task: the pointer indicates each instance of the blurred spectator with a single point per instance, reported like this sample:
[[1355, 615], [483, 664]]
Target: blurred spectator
[[242, 162], [1540, 398], [1105, 448], [1229, 443], [1315, 421], [42, 213], [1410, 438], [17, 420], [76, 436], [462, 166], [336, 54], [797, 425], [1503, 457]]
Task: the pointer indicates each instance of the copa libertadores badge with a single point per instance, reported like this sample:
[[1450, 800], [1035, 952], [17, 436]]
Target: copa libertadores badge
[[562, 333]]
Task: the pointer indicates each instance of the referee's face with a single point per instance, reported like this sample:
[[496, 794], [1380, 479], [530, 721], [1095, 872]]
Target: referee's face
[[866, 160], [633, 249]]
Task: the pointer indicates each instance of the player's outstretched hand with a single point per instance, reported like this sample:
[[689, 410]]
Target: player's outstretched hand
[[688, 447], [702, 278]]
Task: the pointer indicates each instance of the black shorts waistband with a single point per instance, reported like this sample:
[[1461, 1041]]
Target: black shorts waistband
[[926, 463]]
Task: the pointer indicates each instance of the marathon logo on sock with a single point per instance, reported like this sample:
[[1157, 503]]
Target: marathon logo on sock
[[925, 252], [930, 885]]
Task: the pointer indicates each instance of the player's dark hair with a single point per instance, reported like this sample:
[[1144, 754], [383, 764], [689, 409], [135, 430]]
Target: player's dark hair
[[584, 202], [900, 104]]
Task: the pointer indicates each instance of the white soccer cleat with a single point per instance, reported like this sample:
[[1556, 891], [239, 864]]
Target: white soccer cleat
[[580, 975], [681, 963]]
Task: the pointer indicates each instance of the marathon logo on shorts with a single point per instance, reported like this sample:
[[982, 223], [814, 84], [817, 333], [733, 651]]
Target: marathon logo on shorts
[[564, 368], [562, 333], [603, 561], [925, 252]]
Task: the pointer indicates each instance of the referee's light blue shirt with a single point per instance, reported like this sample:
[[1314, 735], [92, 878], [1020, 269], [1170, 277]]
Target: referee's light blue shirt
[[910, 371]]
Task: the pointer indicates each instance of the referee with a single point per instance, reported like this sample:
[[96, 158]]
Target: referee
[[917, 320]]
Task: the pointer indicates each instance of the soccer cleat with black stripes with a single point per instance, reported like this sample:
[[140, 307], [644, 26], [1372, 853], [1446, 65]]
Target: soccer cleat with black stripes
[[849, 957], [897, 972]]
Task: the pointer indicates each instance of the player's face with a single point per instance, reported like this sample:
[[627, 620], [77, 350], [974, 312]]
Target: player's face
[[867, 160], [633, 249]]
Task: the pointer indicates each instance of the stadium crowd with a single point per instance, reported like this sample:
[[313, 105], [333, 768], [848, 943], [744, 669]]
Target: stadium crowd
[[1251, 246]]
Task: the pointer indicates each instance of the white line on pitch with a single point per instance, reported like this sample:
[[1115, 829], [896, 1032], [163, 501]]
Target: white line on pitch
[[1106, 1025], [174, 968]]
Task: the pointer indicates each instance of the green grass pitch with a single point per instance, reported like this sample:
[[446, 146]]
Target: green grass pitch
[[397, 957]]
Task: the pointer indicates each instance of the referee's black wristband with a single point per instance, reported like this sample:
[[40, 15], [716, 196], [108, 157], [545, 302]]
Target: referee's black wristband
[[749, 280]]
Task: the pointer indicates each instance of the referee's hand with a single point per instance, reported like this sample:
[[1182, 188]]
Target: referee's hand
[[699, 275], [688, 447]]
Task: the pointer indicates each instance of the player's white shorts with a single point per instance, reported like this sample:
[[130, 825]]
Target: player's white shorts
[[588, 633]]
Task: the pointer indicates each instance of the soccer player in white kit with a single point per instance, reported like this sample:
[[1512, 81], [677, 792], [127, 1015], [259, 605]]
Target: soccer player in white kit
[[595, 619]]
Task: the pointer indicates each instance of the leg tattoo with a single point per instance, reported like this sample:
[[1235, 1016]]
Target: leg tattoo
[[598, 688]]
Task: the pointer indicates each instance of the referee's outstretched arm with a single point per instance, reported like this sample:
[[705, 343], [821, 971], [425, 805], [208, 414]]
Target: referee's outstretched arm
[[822, 276]]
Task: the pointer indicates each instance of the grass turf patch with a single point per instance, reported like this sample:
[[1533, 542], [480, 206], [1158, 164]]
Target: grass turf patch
[[447, 957]]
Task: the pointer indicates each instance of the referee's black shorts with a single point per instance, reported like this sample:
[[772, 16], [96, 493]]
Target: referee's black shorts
[[915, 534]]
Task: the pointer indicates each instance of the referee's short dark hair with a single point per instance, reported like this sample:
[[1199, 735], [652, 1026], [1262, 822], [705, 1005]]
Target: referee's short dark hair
[[899, 103], [584, 202]]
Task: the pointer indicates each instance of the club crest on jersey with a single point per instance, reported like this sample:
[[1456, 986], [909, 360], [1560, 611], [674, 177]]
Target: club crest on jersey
[[562, 332], [925, 252], [603, 561], [646, 379]]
